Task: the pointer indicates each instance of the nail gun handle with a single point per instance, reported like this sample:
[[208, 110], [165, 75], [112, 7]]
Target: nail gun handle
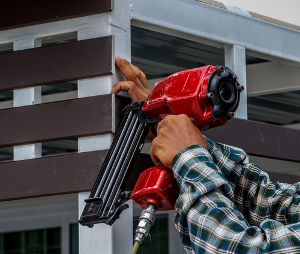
[[156, 186]]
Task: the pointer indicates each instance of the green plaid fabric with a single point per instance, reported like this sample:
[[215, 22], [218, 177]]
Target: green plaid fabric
[[227, 205]]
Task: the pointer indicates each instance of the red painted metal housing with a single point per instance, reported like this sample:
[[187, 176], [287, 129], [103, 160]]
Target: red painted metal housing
[[156, 186], [184, 93]]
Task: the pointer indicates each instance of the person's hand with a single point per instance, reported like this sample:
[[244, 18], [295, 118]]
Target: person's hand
[[174, 133], [136, 84]]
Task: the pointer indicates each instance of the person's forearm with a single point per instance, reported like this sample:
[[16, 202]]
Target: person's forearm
[[207, 219]]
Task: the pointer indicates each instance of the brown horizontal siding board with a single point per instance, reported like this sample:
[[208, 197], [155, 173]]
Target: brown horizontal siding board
[[72, 173], [57, 175], [57, 120], [50, 175], [20, 13], [259, 139], [56, 63], [284, 178]]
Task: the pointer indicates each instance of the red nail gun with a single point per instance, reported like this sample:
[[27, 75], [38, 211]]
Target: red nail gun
[[208, 95]]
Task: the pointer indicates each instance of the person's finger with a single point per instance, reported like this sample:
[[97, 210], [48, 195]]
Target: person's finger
[[127, 70], [160, 125], [141, 76], [124, 86], [153, 151], [135, 93]]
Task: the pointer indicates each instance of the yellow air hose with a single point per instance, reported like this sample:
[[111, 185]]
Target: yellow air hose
[[135, 247]]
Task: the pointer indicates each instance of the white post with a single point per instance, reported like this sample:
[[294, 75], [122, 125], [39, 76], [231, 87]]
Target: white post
[[23, 97], [65, 238], [235, 59], [104, 239]]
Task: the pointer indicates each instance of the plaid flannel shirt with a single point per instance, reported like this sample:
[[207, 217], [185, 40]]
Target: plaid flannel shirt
[[229, 206]]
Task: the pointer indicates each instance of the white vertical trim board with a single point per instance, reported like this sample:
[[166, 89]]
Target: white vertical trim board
[[65, 237], [235, 59]]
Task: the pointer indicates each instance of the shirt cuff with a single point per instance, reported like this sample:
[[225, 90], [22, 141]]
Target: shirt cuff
[[190, 162], [188, 154]]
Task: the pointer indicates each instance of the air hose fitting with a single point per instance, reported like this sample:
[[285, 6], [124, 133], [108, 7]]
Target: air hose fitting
[[146, 221]]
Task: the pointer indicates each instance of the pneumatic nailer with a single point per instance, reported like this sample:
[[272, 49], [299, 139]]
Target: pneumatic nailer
[[209, 95]]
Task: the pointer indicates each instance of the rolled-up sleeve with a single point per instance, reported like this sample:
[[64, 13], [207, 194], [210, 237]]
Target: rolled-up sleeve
[[207, 218]]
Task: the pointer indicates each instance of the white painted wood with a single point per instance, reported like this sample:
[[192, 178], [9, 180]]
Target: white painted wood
[[94, 86], [24, 152], [65, 238], [94, 143], [98, 239], [235, 59], [106, 239], [95, 28], [27, 96], [122, 231], [23, 97]]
